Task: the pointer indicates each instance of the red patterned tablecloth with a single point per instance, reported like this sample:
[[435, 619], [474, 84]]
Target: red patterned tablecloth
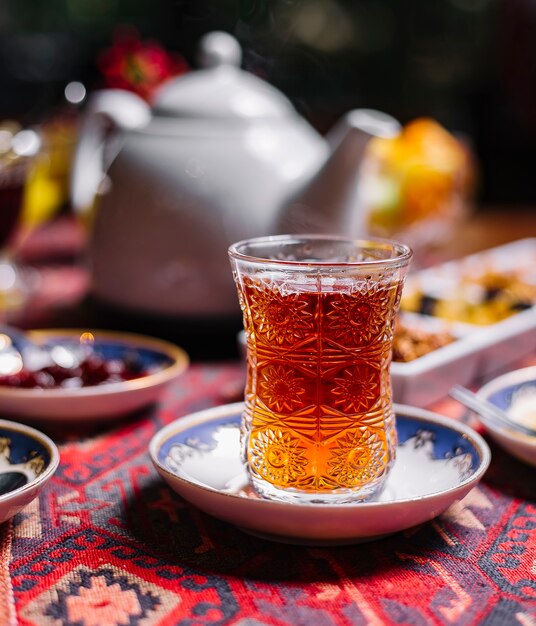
[[109, 544]]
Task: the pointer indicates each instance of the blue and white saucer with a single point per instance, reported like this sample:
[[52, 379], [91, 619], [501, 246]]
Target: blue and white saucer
[[438, 462]]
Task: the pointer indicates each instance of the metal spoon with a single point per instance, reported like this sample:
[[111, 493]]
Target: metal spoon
[[488, 412], [18, 349]]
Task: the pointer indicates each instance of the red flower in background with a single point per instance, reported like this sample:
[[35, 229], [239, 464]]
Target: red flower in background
[[139, 66]]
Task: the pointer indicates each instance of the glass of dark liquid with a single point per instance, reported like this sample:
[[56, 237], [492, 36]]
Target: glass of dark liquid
[[17, 149], [318, 424]]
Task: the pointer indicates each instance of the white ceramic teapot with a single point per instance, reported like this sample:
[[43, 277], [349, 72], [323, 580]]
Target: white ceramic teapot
[[221, 156]]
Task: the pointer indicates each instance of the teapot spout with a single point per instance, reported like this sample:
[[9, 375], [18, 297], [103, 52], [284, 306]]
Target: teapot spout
[[330, 202]]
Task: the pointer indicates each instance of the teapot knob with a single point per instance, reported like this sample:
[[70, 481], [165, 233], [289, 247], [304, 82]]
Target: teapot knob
[[219, 48]]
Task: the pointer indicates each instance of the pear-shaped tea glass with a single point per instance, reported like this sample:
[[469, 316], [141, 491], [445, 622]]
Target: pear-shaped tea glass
[[318, 313]]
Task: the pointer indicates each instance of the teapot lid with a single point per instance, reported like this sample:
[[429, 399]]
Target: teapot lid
[[220, 89]]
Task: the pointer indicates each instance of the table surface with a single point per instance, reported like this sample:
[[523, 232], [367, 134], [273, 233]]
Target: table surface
[[108, 543]]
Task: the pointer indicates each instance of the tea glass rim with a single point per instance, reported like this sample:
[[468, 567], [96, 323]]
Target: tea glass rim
[[403, 253]]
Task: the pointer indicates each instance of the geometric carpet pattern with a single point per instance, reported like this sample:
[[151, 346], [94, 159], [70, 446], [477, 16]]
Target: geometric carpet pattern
[[109, 544]]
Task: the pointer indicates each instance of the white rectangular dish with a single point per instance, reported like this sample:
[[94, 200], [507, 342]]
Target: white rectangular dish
[[479, 351]]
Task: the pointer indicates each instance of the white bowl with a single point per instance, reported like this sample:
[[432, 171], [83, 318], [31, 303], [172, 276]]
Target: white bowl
[[479, 351], [505, 391], [28, 459], [103, 401]]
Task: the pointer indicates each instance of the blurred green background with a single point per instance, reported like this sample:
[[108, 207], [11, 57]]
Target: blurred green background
[[470, 64]]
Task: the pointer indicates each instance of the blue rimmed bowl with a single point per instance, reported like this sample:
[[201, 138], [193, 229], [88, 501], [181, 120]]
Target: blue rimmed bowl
[[515, 394], [164, 361], [28, 460], [438, 462]]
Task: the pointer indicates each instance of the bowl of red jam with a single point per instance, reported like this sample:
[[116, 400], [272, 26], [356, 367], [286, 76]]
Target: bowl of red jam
[[93, 375]]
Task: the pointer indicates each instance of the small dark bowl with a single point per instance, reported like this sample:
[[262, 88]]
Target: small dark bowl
[[28, 459]]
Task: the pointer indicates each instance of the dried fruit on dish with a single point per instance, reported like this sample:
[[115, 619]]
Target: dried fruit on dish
[[411, 342]]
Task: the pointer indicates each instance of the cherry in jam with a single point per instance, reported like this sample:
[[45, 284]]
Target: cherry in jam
[[93, 370]]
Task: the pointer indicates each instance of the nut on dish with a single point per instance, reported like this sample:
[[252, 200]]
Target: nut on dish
[[410, 343]]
